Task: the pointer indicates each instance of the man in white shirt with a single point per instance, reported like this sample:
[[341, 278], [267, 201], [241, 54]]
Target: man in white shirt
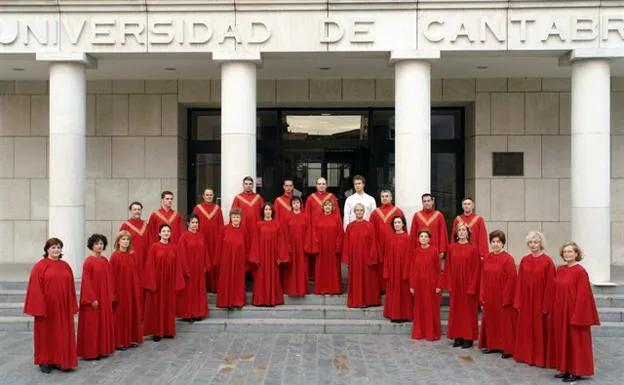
[[358, 197]]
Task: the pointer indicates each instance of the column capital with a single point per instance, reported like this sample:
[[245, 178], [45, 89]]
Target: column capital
[[239, 56], [414, 54], [590, 54], [68, 57]]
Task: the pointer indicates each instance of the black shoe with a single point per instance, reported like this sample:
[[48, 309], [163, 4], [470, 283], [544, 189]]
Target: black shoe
[[467, 344], [489, 351], [168, 337], [47, 369], [562, 375], [197, 319], [458, 342], [572, 378], [156, 338], [122, 349], [92, 359], [506, 356]]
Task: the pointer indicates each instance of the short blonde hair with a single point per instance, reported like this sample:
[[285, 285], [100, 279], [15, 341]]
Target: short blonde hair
[[120, 235], [532, 235], [575, 247], [328, 202], [359, 205]]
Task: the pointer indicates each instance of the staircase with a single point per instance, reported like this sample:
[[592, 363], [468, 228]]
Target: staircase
[[311, 314]]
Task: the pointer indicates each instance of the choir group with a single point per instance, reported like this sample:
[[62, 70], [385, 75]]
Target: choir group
[[538, 314]]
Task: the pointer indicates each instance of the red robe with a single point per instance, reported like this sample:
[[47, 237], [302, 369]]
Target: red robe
[[359, 252], [572, 312], [127, 308], [425, 278], [211, 225], [282, 208], [534, 276], [434, 221], [499, 318], [397, 259], [51, 299], [328, 235], [478, 233], [231, 261], [251, 204], [462, 275], [96, 337], [164, 278], [381, 218], [267, 250], [192, 251], [314, 210], [296, 272], [161, 217], [138, 231]]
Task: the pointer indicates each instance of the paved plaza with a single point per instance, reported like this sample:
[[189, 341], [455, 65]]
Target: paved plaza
[[211, 359]]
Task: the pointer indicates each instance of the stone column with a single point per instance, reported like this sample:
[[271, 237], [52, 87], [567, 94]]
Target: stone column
[[238, 121], [412, 139], [67, 153], [591, 165]]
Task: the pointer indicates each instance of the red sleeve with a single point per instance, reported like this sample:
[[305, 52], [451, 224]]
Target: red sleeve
[[511, 275], [182, 251], [180, 281], [406, 262], [443, 234], [448, 268], [254, 254], [34, 304], [216, 259], [149, 275], [336, 209], [483, 239], [87, 294], [314, 246], [453, 230], [585, 313], [340, 237], [549, 295], [414, 231], [180, 225], [113, 264], [207, 257], [412, 269], [373, 247], [72, 284], [517, 295], [346, 245], [438, 270], [386, 256], [475, 274]]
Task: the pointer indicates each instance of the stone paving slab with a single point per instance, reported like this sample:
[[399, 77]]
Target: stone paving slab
[[289, 359]]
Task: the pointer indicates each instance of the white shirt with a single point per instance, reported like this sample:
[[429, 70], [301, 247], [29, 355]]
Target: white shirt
[[369, 206]]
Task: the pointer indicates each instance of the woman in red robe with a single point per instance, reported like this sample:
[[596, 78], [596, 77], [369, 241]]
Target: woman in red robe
[[192, 250], [327, 246], [127, 303], [296, 272], [96, 338], [359, 253], [425, 285], [51, 299], [268, 251], [498, 286], [462, 274], [535, 273], [164, 278], [397, 259], [571, 314], [231, 260]]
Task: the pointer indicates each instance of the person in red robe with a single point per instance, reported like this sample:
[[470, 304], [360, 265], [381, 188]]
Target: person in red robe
[[571, 314], [250, 204], [268, 251], [192, 251], [535, 273], [476, 225], [165, 215], [51, 300], [433, 220], [498, 286], [164, 277], [327, 246], [380, 218], [359, 253], [397, 258], [425, 285], [462, 281], [231, 260], [96, 338], [210, 225], [127, 299], [295, 276], [137, 228], [282, 202]]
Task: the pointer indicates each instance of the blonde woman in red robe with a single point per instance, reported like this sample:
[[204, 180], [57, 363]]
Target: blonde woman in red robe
[[127, 302], [359, 253], [268, 251], [462, 281], [535, 274], [425, 285], [164, 278], [51, 300], [397, 259], [295, 274], [193, 253], [231, 260], [328, 236], [96, 337], [498, 286], [571, 314]]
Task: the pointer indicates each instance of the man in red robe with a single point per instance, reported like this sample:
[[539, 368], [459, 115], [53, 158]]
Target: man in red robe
[[210, 225], [250, 204], [476, 225], [137, 228], [381, 218], [433, 220], [165, 215], [282, 202]]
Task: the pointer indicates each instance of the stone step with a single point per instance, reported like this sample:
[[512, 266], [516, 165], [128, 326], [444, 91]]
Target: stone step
[[615, 289], [609, 300]]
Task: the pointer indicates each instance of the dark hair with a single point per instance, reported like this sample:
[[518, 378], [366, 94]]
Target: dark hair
[[248, 178], [288, 179], [272, 210], [498, 234], [359, 177], [295, 198], [136, 203], [402, 218], [236, 211], [165, 193], [425, 231], [426, 195], [455, 237], [49, 243], [467, 199], [162, 227], [208, 188], [385, 190], [191, 217], [95, 238]]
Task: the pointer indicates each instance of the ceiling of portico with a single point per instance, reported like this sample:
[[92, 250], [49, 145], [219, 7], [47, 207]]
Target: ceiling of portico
[[301, 66]]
